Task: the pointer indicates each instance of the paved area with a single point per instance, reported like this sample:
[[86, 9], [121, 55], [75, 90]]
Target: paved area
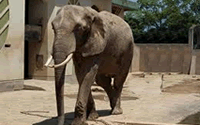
[[142, 102]]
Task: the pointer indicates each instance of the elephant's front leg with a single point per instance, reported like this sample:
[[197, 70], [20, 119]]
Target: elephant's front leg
[[91, 110], [86, 74]]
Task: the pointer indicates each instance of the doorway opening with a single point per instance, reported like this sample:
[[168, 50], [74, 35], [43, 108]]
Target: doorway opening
[[33, 35], [26, 50]]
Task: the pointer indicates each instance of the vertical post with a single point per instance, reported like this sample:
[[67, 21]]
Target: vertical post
[[193, 65], [193, 59]]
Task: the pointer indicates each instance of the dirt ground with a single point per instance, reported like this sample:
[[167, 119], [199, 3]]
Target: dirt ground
[[175, 99]]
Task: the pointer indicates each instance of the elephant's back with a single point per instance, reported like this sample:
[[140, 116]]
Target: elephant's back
[[118, 32], [116, 27], [114, 20]]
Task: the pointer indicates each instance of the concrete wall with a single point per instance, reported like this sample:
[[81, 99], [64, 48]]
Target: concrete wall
[[195, 63], [12, 58], [64, 2], [102, 4], [121, 14], [11, 64], [196, 53], [135, 67], [162, 58]]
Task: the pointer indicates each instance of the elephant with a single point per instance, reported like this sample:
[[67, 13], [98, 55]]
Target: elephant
[[101, 46]]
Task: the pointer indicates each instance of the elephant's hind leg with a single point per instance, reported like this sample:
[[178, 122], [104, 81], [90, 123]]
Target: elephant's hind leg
[[116, 95], [119, 80], [105, 83], [91, 110], [113, 92]]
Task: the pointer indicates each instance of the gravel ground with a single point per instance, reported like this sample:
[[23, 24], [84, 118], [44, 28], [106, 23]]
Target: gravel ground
[[143, 101]]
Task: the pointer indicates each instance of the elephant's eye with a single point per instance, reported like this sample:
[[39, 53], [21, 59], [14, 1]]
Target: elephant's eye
[[84, 28], [80, 28]]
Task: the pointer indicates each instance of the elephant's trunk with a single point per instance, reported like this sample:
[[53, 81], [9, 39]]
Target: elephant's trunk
[[59, 85], [63, 48]]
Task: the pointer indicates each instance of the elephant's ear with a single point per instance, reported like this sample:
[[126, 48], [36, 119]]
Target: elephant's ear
[[95, 43]]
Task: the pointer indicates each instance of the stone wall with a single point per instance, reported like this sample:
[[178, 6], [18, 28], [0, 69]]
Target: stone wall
[[162, 58]]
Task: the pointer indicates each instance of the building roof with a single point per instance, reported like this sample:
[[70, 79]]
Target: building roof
[[127, 5]]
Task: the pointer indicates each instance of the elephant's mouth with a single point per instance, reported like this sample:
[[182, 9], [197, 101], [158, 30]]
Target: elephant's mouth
[[47, 64]]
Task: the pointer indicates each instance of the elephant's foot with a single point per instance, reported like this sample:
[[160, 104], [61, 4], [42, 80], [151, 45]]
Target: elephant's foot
[[116, 111], [93, 115], [61, 120], [78, 121]]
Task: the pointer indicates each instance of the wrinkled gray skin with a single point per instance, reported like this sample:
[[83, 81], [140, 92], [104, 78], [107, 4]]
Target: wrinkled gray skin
[[102, 44]]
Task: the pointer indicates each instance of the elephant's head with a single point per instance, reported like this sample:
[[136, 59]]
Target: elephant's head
[[76, 29]]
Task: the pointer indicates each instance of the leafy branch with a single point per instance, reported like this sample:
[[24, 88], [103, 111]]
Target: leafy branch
[[163, 21]]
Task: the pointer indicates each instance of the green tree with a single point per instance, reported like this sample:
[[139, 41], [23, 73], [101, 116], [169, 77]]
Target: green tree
[[163, 21]]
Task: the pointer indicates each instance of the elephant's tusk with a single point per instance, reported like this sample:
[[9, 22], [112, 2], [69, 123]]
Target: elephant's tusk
[[63, 63], [48, 61]]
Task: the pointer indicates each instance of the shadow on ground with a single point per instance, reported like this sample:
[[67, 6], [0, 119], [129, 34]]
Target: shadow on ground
[[187, 86], [69, 117], [102, 97], [193, 119], [35, 88]]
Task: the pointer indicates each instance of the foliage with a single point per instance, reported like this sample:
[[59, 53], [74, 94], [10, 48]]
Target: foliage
[[163, 21]]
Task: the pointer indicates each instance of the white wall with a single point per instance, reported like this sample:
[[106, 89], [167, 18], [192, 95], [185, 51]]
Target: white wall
[[12, 59]]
